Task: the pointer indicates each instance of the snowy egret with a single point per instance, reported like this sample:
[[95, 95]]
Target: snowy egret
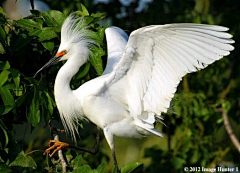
[[141, 77]]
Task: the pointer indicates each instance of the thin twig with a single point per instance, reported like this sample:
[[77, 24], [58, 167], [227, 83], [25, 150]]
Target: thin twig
[[30, 152], [229, 130]]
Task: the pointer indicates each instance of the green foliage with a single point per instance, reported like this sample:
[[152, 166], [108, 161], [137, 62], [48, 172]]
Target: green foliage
[[26, 44], [131, 167], [23, 160], [195, 134]]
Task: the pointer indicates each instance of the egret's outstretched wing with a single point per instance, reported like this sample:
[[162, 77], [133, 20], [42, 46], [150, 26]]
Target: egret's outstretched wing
[[116, 43], [155, 60]]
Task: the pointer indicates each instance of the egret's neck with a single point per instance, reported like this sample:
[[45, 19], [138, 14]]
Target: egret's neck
[[62, 88]]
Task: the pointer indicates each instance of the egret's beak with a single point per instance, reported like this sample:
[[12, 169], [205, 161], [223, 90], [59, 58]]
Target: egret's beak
[[52, 61]]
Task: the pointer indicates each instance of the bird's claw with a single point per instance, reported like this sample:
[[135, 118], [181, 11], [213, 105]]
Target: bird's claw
[[55, 147]]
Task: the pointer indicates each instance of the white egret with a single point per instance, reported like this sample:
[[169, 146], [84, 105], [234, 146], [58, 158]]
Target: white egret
[[130, 96]]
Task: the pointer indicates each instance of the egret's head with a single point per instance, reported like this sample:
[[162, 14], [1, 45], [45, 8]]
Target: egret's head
[[75, 41]]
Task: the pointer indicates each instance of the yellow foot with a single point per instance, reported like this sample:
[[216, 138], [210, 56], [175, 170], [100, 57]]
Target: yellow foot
[[55, 147]]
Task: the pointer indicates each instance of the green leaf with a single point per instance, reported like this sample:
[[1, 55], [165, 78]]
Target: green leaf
[[194, 157], [49, 45], [96, 60], [83, 12], [4, 168], [54, 18], [46, 34], [24, 160], [4, 65], [83, 169], [49, 103], [29, 24], [4, 136], [2, 34], [22, 40], [4, 109], [101, 168], [2, 11], [35, 32], [101, 34], [98, 15], [7, 97], [131, 167], [34, 112], [16, 77], [77, 162], [178, 162], [4, 77], [83, 71]]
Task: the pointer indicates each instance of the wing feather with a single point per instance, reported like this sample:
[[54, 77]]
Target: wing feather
[[155, 60]]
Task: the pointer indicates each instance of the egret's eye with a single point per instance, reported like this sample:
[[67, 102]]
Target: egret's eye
[[60, 54]]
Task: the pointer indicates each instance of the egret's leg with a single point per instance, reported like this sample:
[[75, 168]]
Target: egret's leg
[[110, 139], [91, 151]]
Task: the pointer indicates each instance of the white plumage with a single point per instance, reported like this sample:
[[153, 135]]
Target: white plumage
[[141, 75]]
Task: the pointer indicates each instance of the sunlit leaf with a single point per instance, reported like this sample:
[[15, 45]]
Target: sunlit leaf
[[53, 18], [83, 169], [16, 77], [83, 12], [7, 97], [101, 168], [35, 32], [29, 24], [49, 45], [131, 167], [4, 77], [46, 34], [101, 35], [24, 160], [77, 161], [2, 11], [96, 60], [4, 65]]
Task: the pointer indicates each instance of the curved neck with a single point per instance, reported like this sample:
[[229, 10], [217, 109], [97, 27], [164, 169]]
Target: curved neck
[[64, 76]]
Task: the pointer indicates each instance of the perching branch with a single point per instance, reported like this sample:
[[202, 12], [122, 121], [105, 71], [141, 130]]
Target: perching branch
[[229, 130], [61, 157]]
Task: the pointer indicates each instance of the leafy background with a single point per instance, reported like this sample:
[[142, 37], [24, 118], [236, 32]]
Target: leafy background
[[195, 134]]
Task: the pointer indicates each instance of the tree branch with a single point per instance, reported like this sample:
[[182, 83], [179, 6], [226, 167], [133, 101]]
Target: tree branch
[[230, 131], [61, 157], [54, 133]]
